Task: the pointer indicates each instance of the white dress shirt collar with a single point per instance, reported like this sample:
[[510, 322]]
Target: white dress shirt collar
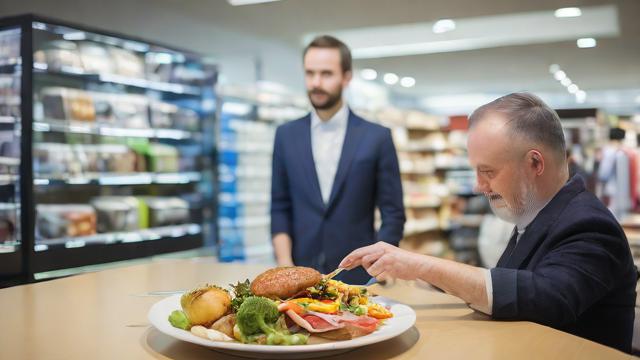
[[338, 120]]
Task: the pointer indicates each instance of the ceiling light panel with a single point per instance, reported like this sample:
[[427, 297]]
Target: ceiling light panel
[[479, 33]]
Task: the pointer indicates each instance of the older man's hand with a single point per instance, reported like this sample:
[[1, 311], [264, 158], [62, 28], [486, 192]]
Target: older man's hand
[[384, 262]]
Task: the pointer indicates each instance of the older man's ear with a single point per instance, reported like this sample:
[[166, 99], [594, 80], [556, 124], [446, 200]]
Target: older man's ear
[[536, 160]]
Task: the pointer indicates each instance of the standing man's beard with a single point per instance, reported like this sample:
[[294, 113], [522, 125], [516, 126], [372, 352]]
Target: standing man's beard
[[332, 99]]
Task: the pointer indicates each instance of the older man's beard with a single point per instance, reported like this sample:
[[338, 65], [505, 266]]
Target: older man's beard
[[520, 206]]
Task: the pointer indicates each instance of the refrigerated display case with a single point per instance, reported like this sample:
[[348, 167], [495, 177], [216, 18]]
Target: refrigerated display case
[[118, 145], [11, 250]]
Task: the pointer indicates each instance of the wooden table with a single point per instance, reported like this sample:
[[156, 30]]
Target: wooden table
[[102, 316]]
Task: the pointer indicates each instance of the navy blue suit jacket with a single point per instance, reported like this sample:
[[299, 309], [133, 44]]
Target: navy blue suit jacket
[[367, 176], [572, 270]]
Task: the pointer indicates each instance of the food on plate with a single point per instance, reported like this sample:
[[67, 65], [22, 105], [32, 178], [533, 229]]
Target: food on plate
[[179, 319], [210, 334], [281, 306], [284, 282], [259, 315], [205, 305], [241, 291]]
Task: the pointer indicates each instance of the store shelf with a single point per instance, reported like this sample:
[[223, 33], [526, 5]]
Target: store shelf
[[122, 179], [9, 206], [422, 204], [244, 222], [77, 127], [9, 161], [415, 227], [164, 232], [42, 69], [8, 179], [10, 65], [468, 220], [246, 198], [8, 123]]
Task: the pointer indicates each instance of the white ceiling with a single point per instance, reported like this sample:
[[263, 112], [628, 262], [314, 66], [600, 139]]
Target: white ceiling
[[613, 64], [273, 33]]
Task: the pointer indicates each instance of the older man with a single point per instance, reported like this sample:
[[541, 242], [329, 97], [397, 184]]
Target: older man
[[567, 264]]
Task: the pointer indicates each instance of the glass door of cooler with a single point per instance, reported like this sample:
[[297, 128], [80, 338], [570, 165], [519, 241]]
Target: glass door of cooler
[[10, 116], [122, 148]]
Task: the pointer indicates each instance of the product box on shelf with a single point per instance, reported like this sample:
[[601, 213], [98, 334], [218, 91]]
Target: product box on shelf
[[116, 213], [69, 220]]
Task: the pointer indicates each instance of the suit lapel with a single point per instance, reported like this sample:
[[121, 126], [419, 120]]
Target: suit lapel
[[308, 164], [536, 232], [351, 140]]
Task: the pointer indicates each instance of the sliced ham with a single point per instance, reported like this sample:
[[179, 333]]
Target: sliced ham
[[331, 319], [322, 326]]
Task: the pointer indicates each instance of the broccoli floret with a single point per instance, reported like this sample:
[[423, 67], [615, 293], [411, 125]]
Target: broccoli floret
[[259, 315], [254, 315], [179, 319]]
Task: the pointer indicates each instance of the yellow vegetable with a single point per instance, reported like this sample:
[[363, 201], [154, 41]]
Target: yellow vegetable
[[318, 306], [205, 305], [378, 311]]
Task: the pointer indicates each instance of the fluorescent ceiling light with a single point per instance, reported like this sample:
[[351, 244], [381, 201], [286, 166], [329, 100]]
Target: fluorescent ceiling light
[[368, 74], [581, 96], [390, 78], [553, 68], [568, 12], [566, 81], [478, 33], [248, 2], [573, 88], [559, 75], [443, 26], [585, 43], [407, 81]]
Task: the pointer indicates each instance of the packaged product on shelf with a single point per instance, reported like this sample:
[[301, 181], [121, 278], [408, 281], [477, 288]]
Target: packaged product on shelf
[[110, 158], [104, 108], [161, 114], [158, 66], [131, 111], [9, 144], [163, 158], [10, 43], [9, 95], [55, 160], [68, 104], [7, 224], [420, 120], [95, 58], [59, 221], [170, 116], [163, 211], [59, 55], [192, 73], [127, 63], [190, 156], [116, 213]]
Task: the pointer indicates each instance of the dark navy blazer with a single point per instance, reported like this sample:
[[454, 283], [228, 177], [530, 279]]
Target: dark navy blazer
[[572, 270], [367, 176]]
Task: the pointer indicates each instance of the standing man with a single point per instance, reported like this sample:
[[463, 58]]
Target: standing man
[[331, 169]]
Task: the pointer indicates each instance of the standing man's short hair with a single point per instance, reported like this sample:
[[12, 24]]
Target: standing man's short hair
[[528, 117], [329, 42]]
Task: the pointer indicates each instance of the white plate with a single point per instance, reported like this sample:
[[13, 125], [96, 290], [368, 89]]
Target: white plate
[[403, 318]]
